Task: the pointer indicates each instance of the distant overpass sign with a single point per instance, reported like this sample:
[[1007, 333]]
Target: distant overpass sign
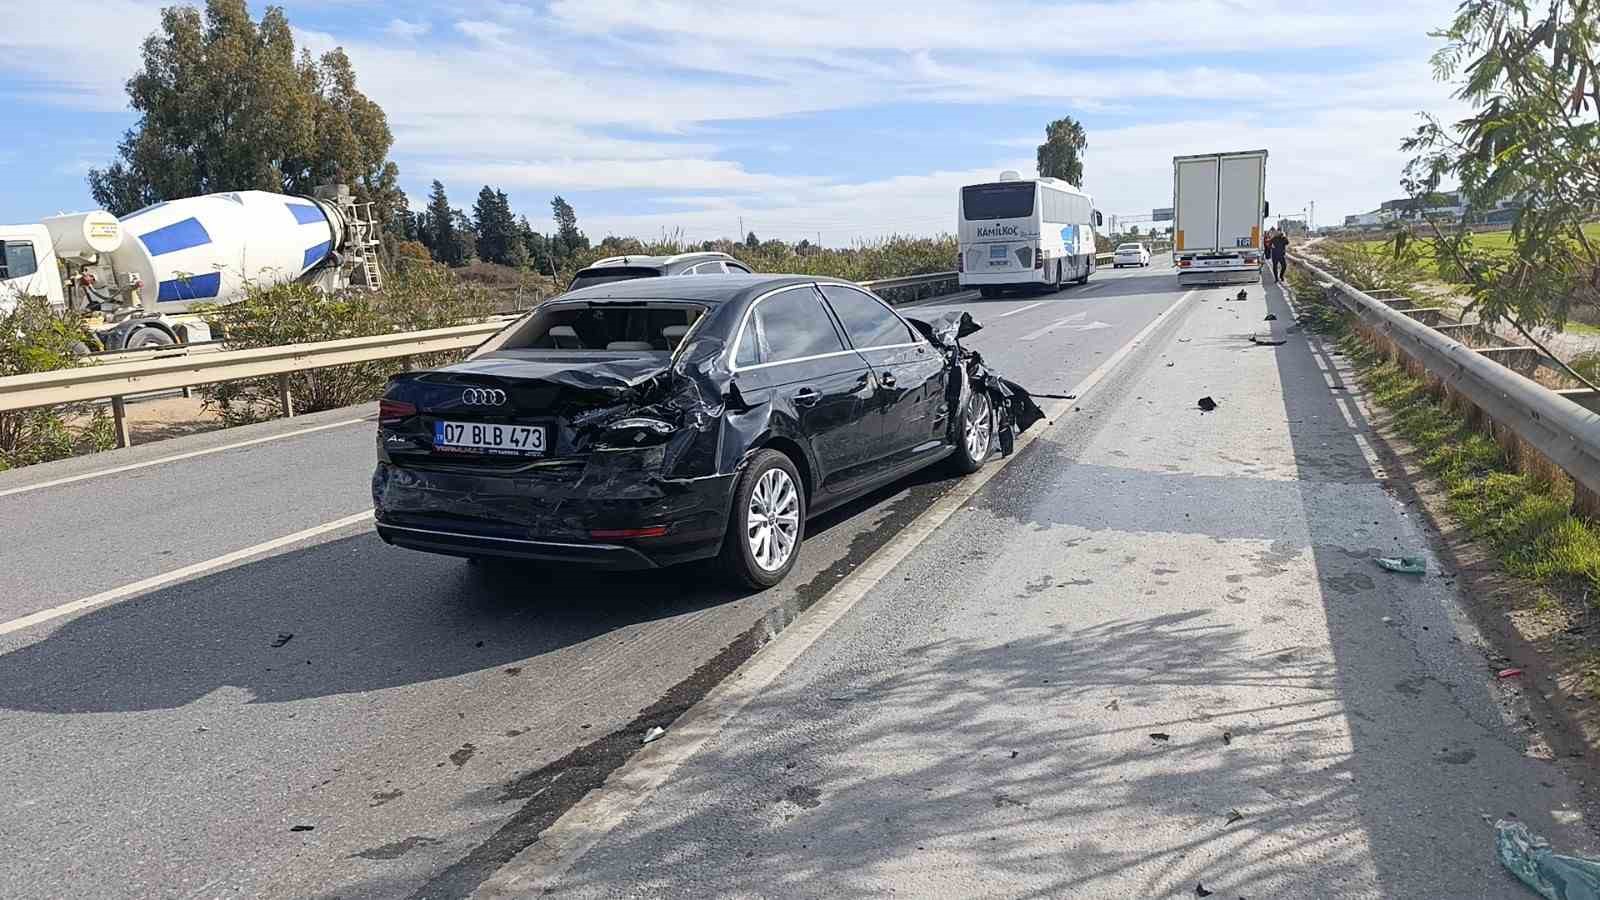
[[1163, 214]]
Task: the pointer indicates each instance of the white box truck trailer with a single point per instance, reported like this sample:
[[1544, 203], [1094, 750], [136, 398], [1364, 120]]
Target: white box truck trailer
[[1218, 204]]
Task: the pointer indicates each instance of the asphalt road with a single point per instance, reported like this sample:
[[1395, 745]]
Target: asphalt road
[[211, 687], [327, 716]]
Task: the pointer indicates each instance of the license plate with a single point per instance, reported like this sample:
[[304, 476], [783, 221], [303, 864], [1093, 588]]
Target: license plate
[[997, 253], [484, 437]]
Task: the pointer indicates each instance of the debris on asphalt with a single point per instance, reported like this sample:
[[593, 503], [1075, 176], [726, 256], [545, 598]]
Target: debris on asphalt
[[1234, 816], [1200, 890], [1404, 565], [302, 828], [1113, 705], [1267, 340], [283, 638], [1206, 404], [478, 644], [1227, 737], [1184, 340], [1013, 754], [1388, 620], [1160, 736], [1508, 673], [653, 734], [1055, 396], [1241, 296], [1553, 875], [1270, 318], [1170, 365]]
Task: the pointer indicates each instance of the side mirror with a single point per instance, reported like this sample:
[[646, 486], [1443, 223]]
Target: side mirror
[[1266, 209], [1099, 219]]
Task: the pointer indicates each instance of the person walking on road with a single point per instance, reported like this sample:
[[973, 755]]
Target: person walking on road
[[1279, 251]]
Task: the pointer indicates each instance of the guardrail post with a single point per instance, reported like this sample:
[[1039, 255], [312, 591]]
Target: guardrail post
[[119, 415], [284, 398]]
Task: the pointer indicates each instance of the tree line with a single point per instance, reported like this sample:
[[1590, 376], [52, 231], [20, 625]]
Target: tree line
[[492, 233]]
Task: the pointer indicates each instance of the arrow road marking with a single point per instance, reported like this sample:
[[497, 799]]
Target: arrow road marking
[[1059, 323]]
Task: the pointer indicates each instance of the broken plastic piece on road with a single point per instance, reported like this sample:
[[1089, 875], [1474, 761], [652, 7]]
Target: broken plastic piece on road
[[1234, 816], [1113, 705], [655, 733], [1241, 296], [1206, 404], [1388, 620], [1404, 565], [1267, 340], [1200, 890], [1508, 673], [283, 638], [1160, 736], [1270, 318], [302, 827], [1227, 737], [1552, 875], [1184, 340]]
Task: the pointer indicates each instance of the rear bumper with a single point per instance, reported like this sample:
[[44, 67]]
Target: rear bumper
[[1003, 279], [551, 520], [1220, 275]]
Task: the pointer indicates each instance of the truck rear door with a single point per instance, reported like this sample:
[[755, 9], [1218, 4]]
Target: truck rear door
[[1195, 204], [1239, 201]]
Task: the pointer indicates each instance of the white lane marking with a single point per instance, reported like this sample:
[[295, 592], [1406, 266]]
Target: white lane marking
[[560, 846], [180, 456], [1020, 309], [1097, 285], [165, 578], [1032, 335]]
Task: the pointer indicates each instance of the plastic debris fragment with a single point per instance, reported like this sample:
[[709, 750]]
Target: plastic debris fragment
[[1160, 736], [1404, 565], [1508, 673], [1206, 404], [654, 733], [1552, 875]]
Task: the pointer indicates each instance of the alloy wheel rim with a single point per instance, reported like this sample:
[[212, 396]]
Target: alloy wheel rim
[[772, 522], [978, 426]]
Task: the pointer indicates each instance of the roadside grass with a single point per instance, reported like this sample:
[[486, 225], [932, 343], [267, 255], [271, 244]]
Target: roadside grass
[[1499, 241], [1526, 519]]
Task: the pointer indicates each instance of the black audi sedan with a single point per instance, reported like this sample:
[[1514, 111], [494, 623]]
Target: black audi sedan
[[652, 422]]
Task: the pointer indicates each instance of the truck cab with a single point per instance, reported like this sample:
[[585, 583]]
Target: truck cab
[[28, 266]]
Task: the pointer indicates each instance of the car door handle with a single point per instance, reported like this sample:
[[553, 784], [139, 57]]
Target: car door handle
[[886, 379], [806, 397]]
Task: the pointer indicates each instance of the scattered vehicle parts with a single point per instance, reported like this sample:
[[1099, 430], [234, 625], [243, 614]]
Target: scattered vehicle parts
[[655, 733], [283, 637], [1508, 673], [1160, 736], [1206, 404], [1403, 565], [1234, 816], [1552, 875]]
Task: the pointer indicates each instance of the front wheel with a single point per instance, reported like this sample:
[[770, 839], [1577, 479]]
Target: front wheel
[[975, 433], [767, 523]]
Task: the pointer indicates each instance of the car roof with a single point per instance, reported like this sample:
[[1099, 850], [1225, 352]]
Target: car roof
[[643, 261], [708, 289]]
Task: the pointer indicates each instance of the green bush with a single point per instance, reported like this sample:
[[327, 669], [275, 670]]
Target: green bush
[[421, 297], [34, 338]]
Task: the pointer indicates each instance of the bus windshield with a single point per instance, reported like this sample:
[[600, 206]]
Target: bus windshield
[[1013, 200]]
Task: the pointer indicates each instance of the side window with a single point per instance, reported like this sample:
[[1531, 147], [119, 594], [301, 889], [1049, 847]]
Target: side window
[[749, 348], [17, 259], [792, 324], [710, 268], [736, 269], [867, 321]]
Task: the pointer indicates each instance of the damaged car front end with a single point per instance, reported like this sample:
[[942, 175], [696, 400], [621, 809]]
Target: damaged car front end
[[614, 428]]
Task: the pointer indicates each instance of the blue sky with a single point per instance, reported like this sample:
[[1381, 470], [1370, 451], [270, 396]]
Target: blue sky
[[851, 120]]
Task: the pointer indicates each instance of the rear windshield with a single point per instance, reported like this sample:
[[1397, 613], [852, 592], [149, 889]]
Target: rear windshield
[[592, 277], [1131, 247], [997, 201], [642, 327]]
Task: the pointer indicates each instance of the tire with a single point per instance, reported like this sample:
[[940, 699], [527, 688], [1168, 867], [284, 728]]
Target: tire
[[975, 436], [149, 337], [769, 481], [1087, 271]]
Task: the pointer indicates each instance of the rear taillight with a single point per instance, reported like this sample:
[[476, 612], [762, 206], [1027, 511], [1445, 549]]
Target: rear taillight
[[1038, 257], [391, 412], [961, 261], [1184, 263]]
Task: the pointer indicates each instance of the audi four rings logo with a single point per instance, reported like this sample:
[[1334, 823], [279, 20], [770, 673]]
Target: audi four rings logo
[[483, 397]]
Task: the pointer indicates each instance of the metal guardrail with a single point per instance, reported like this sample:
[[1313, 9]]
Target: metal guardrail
[[123, 373], [119, 379], [1565, 433]]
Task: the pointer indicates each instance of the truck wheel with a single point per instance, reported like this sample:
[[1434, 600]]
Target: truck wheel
[[767, 523], [149, 337]]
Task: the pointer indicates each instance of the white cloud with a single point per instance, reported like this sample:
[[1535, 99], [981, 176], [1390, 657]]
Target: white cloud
[[81, 62], [406, 30], [488, 32]]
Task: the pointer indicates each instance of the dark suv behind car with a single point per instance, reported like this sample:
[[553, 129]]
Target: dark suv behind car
[[623, 268]]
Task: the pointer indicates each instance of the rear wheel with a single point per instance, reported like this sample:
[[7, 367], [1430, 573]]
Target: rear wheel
[[975, 436], [1088, 269], [767, 523]]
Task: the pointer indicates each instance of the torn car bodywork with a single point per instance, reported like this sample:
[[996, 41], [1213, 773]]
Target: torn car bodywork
[[644, 449]]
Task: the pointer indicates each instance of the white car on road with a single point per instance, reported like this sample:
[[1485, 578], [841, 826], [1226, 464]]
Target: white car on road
[[1131, 255]]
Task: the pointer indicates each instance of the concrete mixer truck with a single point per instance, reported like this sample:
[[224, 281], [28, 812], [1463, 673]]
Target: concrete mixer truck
[[143, 270]]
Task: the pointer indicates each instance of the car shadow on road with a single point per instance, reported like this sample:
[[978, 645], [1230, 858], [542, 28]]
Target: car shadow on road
[[361, 616]]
